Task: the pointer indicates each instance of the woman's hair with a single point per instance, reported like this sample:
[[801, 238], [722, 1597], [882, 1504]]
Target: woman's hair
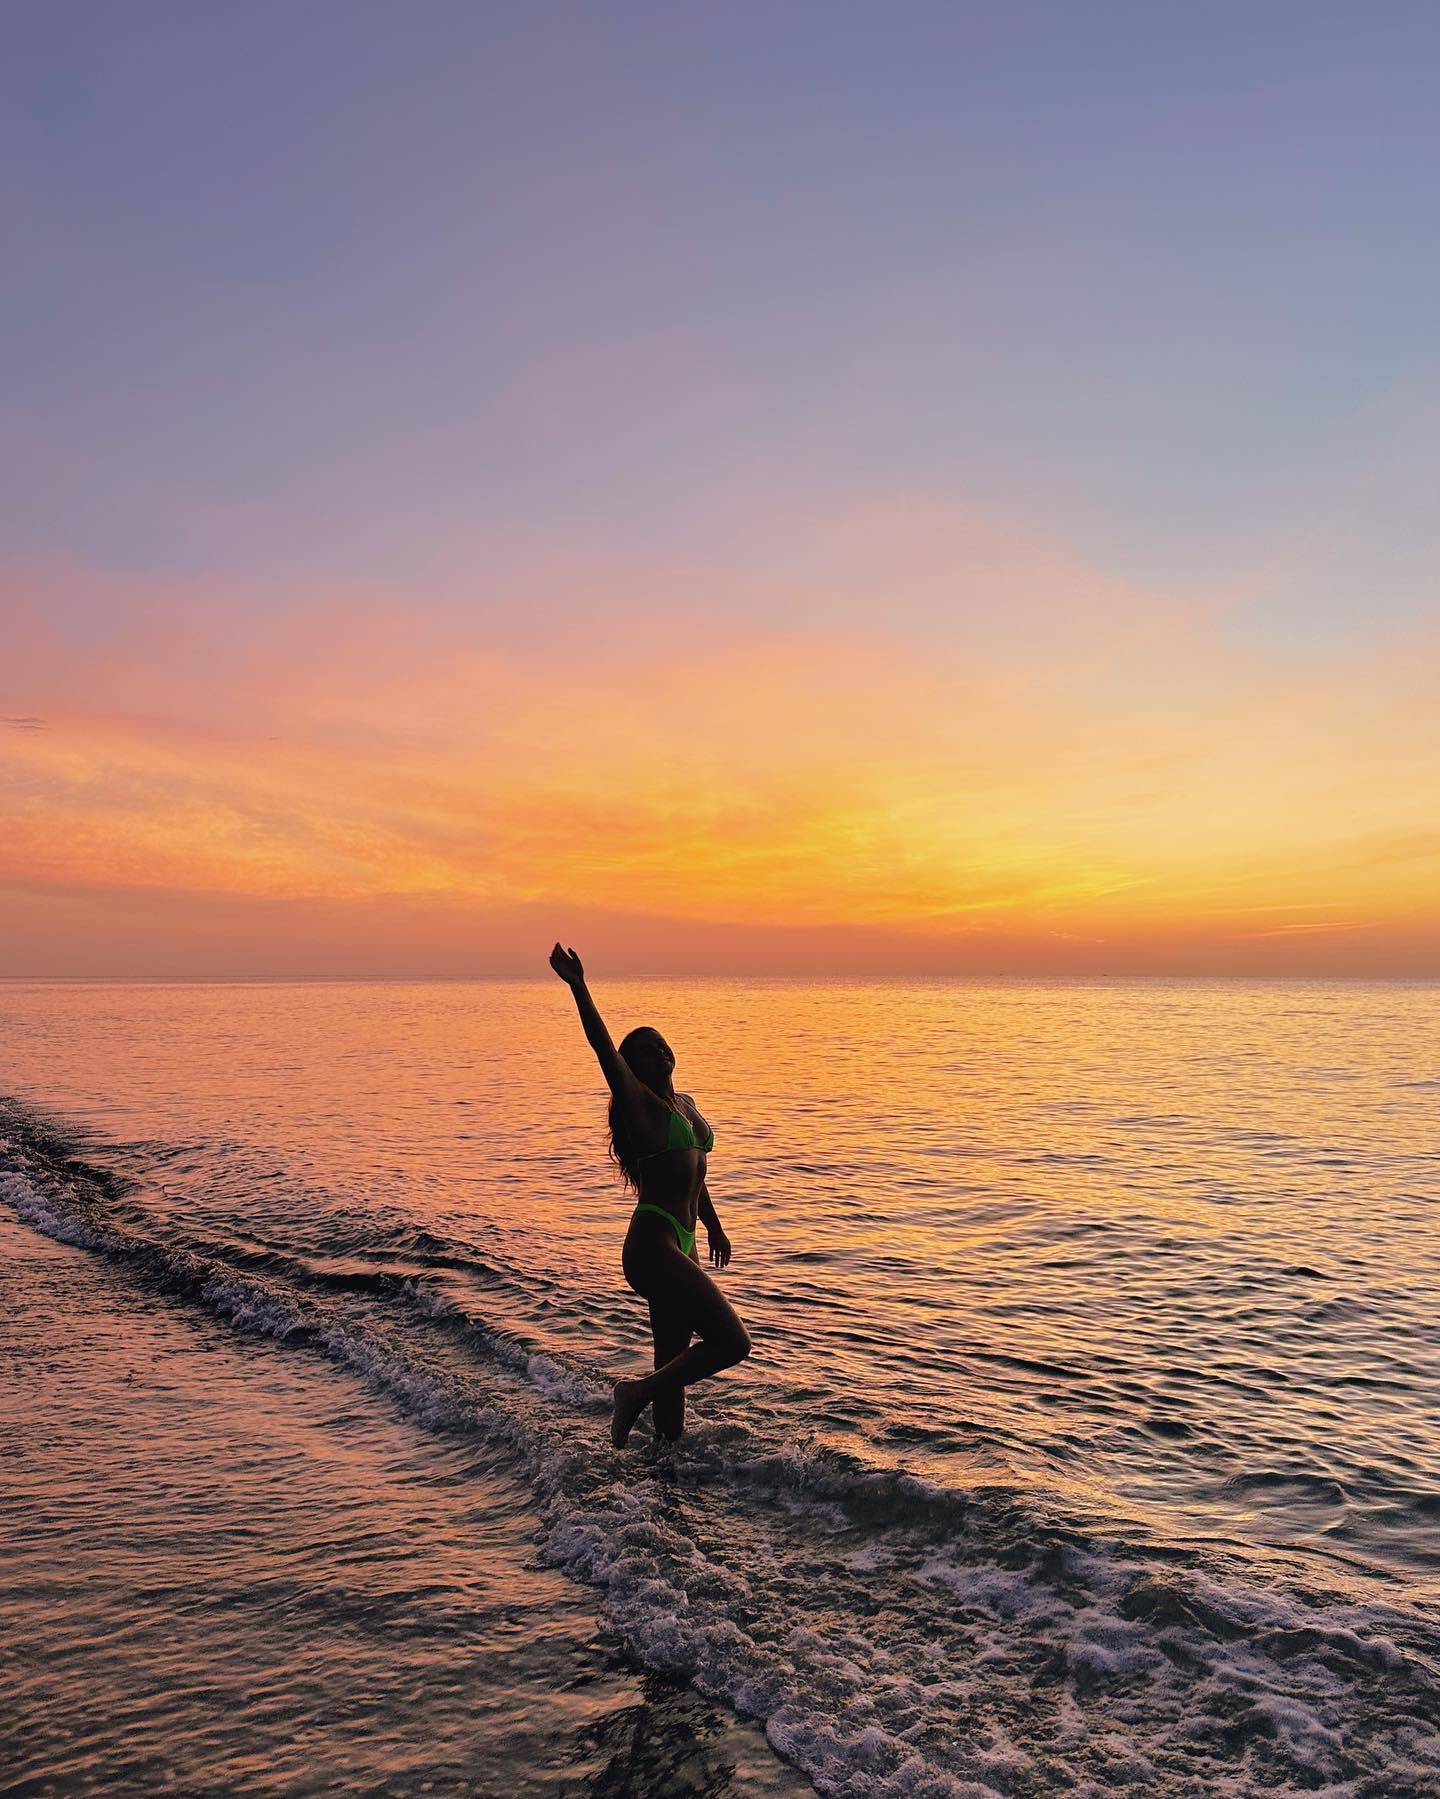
[[622, 1151]]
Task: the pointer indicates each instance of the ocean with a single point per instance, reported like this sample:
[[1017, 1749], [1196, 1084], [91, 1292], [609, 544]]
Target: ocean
[[1091, 1438]]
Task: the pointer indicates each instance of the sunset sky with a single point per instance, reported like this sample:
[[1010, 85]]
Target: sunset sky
[[795, 488]]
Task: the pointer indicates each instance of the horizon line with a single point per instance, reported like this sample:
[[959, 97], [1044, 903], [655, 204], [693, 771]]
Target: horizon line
[[972, 978]]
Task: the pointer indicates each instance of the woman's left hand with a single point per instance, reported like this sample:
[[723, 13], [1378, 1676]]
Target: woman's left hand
[[719, 1248], [568, 966]]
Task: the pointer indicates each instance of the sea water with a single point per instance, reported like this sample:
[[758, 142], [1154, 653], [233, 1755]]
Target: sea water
[[1091, 1436]]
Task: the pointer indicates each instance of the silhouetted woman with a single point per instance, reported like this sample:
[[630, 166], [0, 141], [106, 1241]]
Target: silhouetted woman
[[660, 1142]]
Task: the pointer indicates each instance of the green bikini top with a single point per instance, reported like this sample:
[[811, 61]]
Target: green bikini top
[[680, 1134]]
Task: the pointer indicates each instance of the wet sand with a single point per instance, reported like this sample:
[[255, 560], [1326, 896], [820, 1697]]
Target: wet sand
[[225, 1570]]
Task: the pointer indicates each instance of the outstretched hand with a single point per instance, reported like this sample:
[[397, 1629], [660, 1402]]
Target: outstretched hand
[[567, 965]]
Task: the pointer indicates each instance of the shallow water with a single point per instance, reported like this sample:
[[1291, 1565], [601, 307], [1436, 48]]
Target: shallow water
[[227, 1570], [1091, 1434]]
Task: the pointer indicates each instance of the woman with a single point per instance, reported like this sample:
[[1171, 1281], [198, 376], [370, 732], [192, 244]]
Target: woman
[[660, 1142]]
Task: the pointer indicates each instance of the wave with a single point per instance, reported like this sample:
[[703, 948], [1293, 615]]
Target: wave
[[895, 1635]]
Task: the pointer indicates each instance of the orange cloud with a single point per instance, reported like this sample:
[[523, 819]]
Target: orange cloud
[[1100, 777]]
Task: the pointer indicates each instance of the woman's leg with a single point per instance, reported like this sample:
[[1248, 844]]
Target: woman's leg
[[724, 1339], [671, 1331]]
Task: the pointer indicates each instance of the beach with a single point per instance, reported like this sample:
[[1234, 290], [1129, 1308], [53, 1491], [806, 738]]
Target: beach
[[1089, 1439], [228, 1571]]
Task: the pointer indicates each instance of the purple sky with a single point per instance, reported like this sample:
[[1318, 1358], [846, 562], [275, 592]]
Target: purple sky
[[557, 325]]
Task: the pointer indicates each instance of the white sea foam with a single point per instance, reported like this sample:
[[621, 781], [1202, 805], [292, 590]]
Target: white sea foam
[[43, 1215]]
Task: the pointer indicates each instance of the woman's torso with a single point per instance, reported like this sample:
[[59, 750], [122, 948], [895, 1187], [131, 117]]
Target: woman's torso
[[671, 1178]]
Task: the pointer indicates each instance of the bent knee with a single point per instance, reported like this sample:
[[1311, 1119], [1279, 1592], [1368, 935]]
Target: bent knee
[[733, 1345]]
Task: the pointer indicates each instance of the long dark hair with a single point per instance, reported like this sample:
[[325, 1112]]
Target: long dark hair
[[622, 1150]]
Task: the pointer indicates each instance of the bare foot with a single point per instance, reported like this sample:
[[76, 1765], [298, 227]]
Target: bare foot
[[628, 1407]]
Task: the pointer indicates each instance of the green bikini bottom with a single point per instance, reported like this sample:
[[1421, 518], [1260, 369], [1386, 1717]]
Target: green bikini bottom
[[686, 1239]]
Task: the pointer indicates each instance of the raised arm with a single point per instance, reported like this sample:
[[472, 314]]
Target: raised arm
[[622, 1082]]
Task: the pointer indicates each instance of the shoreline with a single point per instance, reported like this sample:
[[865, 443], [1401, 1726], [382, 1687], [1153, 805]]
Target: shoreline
[[227, 1567]]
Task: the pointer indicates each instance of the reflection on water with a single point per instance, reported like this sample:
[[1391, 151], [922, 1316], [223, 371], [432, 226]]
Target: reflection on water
[[1143, 1271], [226, 1572]]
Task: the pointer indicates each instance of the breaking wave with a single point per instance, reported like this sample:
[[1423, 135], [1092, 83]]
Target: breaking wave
[[895, 1635]]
